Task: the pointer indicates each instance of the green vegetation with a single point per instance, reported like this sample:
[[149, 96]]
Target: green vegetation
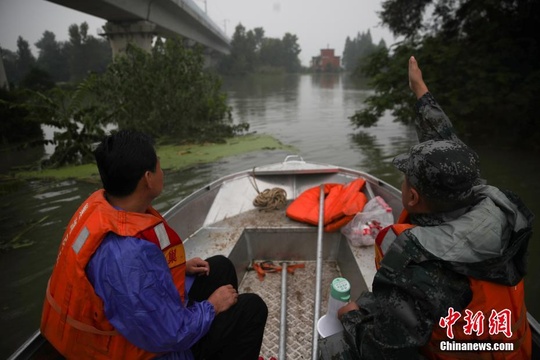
[[16, 128], [62, 61], [40, 93], [172, 157], [253, 52], [357, 50], [167, 93], [75, 88], [479, 58], [80, 118]]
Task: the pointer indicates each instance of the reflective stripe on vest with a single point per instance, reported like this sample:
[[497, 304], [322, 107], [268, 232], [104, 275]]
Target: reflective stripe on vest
[[162, 236]]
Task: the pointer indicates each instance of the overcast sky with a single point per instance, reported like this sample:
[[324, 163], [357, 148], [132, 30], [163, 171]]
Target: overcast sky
[[318, 24]]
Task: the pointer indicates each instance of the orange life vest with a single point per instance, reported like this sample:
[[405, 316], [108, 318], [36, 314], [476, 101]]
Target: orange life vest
[[489, 303], [73, 317], [342, 202]]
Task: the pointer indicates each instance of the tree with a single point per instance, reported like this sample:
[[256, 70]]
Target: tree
[[25, 59], [258, 35], [86, 54], [253, 52], [349, 54], [291, 50], [37, 79], [10, 65], [357, 50], [272, 52], [16, 127], [98, 53], [243, 51], [480, 58], [63, 61], [168, 94], [79, 117], [77, 60], [52, 58]]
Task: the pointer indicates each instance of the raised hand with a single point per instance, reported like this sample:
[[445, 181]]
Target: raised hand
[[416, 82]]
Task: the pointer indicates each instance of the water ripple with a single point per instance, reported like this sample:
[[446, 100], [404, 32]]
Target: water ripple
[[51, 194]]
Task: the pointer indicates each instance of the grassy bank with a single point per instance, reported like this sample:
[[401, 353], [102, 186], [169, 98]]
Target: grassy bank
[[173, 157]]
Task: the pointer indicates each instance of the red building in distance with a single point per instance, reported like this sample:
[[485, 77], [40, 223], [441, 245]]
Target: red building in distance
[[326, 62]]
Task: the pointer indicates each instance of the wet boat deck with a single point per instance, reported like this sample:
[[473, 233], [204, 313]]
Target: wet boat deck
[[300, 306]]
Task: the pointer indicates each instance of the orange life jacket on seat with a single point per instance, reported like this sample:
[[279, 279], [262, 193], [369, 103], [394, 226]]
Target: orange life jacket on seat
[[491, 303], [73, 317], [342, 202]]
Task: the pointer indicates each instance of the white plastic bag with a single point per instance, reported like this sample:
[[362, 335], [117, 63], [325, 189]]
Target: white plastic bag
[[364, 227]]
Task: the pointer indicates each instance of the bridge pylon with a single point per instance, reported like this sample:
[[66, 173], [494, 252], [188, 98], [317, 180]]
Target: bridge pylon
[[140, 33]]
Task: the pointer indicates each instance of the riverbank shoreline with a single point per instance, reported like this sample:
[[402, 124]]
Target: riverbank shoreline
[[172, 158]]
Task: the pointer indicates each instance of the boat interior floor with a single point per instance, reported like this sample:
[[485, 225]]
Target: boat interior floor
[[256, 236], [300, 305]]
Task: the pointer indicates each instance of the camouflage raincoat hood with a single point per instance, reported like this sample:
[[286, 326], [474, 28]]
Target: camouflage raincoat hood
[[487, 241]]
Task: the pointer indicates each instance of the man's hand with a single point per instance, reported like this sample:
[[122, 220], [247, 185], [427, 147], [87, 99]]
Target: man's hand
[[197, 266], [223, 298], [416, 82], [345, 309]]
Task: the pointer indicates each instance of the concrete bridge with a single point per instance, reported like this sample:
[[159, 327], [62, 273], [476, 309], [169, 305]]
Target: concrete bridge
[[138, 21]]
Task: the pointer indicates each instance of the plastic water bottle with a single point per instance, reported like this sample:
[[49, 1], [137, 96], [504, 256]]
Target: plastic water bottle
[[340, 294]]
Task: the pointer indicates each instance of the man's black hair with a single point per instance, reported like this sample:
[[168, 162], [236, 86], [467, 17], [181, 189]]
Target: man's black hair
[[122, 159]]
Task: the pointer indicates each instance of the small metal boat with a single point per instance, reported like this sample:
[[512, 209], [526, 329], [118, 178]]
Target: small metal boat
[[221, 218]]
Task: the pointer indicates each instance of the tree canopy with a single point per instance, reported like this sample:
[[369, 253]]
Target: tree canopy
[[52, 57], [357, 49], [479, 59], [62, 61], [86, 53], [19, 63], [167, 93], [253, 52]]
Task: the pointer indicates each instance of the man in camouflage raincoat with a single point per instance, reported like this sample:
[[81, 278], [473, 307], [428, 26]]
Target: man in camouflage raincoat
[[454, 276]]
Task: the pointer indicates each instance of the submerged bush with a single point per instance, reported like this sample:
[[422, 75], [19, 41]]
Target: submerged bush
[[168, 93]]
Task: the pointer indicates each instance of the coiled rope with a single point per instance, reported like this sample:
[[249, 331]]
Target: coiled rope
[[269, 199]]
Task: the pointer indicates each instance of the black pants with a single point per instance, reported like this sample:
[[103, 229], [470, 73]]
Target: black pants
[[236, 333]]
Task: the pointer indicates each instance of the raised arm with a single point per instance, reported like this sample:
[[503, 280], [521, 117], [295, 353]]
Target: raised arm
[[431, 122]]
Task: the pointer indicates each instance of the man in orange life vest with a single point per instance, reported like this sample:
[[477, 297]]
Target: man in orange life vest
[[450, 273], [121, 287]]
